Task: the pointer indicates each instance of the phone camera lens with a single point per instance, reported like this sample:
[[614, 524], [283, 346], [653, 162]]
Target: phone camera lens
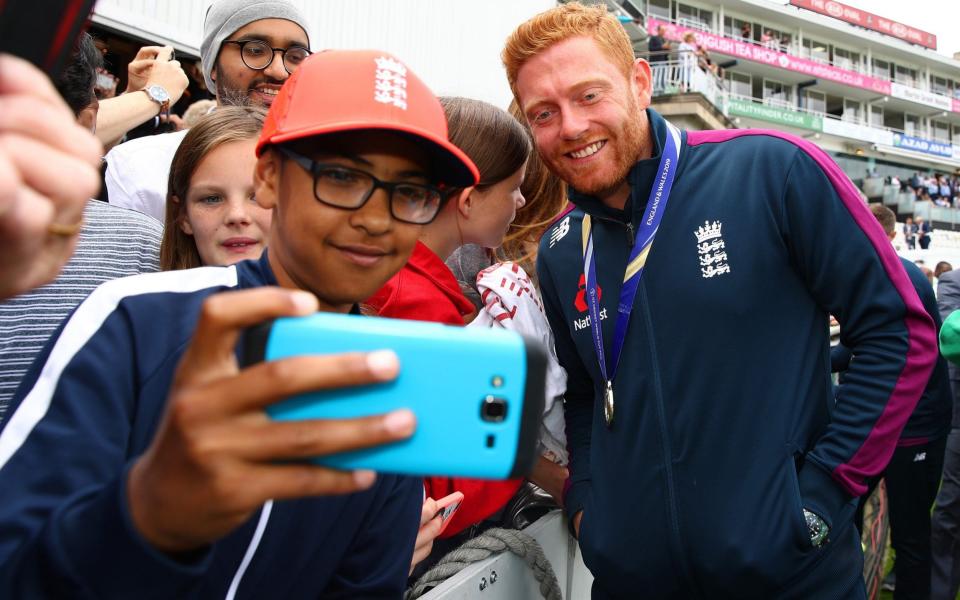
[[493, 409]]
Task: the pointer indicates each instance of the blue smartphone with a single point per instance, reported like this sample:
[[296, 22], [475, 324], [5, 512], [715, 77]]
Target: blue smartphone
[[477, 394]]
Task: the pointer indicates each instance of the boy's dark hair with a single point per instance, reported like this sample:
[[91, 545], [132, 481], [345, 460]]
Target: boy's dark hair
[[76, 82]]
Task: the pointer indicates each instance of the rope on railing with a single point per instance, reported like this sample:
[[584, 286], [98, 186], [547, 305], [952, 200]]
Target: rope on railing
[[482, 547]]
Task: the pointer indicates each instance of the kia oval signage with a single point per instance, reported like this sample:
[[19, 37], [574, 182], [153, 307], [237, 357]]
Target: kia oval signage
[[868, 20]]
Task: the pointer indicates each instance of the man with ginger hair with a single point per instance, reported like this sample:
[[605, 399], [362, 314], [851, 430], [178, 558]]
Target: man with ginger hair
[[702, 482]]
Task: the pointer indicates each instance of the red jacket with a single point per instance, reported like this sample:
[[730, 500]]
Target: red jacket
[[426, 290]]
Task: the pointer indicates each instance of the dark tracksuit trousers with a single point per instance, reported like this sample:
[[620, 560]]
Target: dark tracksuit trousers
[[913, 477], [945, 528]]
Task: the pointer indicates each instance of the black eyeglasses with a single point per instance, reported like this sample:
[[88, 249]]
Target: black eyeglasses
[[343, 187], [258, 55]]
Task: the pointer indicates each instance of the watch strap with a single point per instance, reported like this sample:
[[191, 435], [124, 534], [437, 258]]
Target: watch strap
[[817, 527], [164, 104]]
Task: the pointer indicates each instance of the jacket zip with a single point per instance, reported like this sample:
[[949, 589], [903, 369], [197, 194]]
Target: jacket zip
[[631, 234], [665, 449]]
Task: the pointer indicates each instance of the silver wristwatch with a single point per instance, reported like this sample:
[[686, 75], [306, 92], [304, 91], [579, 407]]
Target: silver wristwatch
[[160, 95], [817, 527]]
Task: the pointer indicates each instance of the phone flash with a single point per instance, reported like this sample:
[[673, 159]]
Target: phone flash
[[497, 381]]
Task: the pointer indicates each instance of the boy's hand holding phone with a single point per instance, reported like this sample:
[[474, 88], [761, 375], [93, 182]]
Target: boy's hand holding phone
[[478, 416], [217, 456]]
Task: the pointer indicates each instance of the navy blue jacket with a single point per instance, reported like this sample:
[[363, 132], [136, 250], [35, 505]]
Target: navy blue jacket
[[726, 424], [931, 418], [90, 406]]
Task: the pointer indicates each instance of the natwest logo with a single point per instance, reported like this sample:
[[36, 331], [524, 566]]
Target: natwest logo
[[580, 302]]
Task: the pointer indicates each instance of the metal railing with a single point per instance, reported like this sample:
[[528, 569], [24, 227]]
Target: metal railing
[[685, 76], [861, 121], [794, 48], [681, 75]]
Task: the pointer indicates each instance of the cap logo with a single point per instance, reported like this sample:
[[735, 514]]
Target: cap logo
[[391, 82]]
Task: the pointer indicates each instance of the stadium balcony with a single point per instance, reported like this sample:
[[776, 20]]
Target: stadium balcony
[[687, 95]]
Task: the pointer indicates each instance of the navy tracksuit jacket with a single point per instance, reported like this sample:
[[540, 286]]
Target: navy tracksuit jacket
[[90, 406], [725, 423], [931, 418]]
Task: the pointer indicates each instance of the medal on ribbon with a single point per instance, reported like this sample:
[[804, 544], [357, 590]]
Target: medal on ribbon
[[656, 206]]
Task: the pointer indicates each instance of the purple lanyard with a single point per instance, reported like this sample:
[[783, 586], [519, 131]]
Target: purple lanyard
[[656, 206]]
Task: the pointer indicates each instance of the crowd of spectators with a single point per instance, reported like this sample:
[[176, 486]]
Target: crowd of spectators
[[939, 188]]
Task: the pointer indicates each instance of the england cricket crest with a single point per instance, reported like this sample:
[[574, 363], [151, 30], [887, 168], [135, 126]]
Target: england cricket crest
[[711, 249]]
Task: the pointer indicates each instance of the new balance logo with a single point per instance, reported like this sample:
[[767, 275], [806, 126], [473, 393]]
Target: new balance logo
[[559, 231], [920, 457]]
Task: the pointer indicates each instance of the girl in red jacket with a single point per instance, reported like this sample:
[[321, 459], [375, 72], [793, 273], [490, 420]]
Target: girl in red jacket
[[425, 289]]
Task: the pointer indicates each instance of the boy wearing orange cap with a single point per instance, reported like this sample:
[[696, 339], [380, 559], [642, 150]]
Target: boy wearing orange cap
[[136, 461]]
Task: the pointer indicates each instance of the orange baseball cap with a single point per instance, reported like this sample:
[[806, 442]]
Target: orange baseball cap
[[349, 90]]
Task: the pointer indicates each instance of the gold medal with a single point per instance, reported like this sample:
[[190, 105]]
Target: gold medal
[[608, 404]]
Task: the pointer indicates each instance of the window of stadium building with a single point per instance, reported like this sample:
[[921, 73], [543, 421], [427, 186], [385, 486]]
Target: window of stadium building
[[815, 101], [660, 9], [738, 29], [911, 125], [852, 110], [905, 75], [818, 51], [845, 59], [691, 16], [881, 68], [776, 93], [941, 85], [835, 106], [741, 84], [940, 131]]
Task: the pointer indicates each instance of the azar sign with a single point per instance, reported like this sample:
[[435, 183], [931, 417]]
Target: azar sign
[[920, 145]]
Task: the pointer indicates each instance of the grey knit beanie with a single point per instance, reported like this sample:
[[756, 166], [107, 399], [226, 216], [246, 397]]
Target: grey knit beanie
[[225, 17]]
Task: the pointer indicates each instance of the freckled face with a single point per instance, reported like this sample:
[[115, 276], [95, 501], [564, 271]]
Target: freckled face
[[221, 214]]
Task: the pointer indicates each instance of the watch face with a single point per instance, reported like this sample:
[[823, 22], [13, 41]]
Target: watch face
[[158, 93]]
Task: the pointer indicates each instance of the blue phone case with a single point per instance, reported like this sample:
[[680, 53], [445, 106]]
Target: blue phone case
[[452, 378]]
